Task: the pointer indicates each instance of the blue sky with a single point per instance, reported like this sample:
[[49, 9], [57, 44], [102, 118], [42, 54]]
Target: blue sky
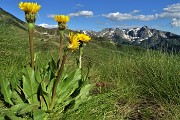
[[99, 14]]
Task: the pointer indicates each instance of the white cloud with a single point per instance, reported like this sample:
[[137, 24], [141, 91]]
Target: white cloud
[[145, 17], [175, 22], [50, 15], [126, 26], [135, 11], [84, 13], [47, 25], [154, 10], [172, 11], [118, 16], [102, 23], [79, 5], [81, 13], [128, 16], [173, 8]]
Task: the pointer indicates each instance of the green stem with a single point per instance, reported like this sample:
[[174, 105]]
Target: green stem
[[58, 79], [61, 39], [80, 56], [31, 32]]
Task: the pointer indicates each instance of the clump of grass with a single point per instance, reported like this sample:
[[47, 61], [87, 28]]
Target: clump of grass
[[159, 77]]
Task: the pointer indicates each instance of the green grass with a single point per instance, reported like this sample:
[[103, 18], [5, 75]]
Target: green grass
[[138, 83]]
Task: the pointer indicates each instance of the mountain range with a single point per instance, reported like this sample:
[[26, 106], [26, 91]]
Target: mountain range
[[140, 36]]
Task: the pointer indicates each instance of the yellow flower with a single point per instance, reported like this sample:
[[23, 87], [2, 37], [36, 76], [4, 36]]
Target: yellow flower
[[61, 18], [84, 38], [29, 7], [74, 41]]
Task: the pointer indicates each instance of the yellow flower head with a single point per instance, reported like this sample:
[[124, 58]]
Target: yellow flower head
[[29, 7], [74, 41], [84, 38], [61, 18]]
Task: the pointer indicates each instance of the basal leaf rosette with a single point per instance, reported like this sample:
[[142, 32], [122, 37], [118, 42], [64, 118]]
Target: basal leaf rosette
[[62, 20], [30, 10]]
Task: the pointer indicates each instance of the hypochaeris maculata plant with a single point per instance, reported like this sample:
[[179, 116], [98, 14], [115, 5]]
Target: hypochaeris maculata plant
[[51, 89]]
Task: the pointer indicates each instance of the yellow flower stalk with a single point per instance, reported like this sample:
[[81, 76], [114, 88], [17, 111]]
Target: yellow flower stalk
[[30, 10], [61, 18], [84, 38], [74, 41]]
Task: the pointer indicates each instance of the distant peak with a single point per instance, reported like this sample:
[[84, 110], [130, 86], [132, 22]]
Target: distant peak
[[145, 26]]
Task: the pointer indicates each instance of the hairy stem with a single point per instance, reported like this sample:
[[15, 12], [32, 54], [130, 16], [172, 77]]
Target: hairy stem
[[61, 40], [80, 56], [31, 32]]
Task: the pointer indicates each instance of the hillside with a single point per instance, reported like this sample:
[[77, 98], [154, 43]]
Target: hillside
[[10, 20], [7, 18]]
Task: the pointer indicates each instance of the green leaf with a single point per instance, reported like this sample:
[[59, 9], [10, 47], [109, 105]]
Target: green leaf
[[28, 108], [38, 76], [23, 108], [43, 86], [6, 90], [83, 95], [39, 114], [47, 93], [61, 107], [1, 117], [14, 82], [44, 105], [16, 97], [2, 113], [12, 116], [50, 86], [51, 71], [68, 86], [30, 85], [53, 65]]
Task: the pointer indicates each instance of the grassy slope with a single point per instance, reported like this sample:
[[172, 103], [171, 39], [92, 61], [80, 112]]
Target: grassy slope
[[139, 84]]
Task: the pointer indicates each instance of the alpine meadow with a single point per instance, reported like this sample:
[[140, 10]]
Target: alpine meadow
[[64, 74]]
